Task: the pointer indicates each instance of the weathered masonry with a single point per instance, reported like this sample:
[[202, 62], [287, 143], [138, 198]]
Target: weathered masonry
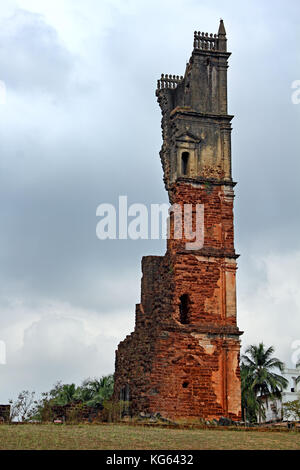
[[182, 359], [4, 413]]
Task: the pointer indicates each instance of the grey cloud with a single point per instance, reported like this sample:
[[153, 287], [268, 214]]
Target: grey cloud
[[55, 348], [100, 138], [32, 57]]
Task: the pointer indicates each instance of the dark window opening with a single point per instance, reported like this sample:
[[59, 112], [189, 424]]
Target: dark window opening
[[184, 163], [122, 394], [184, 309], [125, 399], [185, 384], [292, 390], [125, 393]]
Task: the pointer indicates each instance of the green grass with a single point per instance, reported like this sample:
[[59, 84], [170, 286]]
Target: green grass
[[120, 437]]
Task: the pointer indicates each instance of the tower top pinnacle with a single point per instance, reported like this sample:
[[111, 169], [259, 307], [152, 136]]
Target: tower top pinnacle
[[195, 115], [222, 31], [211, 42]]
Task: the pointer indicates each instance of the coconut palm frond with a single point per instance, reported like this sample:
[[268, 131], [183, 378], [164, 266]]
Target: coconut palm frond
[[258, 377]]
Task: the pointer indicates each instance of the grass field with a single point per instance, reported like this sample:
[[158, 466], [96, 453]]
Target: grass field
[[121, 437]]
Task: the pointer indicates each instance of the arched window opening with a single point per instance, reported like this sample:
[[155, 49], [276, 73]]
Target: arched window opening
[[184, 163], [184, 309]]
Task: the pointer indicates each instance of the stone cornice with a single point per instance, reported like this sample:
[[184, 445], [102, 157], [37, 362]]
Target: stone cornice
[[210, 253], [191, 112], [199, 180], [216, 53], [209, 329]]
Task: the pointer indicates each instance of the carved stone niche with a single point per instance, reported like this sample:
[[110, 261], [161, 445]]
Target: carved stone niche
[[187, 155]]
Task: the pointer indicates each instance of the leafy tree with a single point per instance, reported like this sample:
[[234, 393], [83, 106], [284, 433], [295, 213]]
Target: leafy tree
[[59, 395], [42, 410], [23, 406], [92, 392], [261, 378], [291, 410]]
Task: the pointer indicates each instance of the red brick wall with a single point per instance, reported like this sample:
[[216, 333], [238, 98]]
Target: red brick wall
[[187, 370]]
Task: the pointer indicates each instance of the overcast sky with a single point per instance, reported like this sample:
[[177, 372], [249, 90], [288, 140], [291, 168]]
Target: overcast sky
[[81, 126]]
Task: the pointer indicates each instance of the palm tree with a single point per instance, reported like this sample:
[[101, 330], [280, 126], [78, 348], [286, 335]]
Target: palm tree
[[63, 394], [94, 391], [250, 403], [264, 381]]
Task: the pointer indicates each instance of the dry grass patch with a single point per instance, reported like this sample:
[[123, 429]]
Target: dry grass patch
[[122, 437]]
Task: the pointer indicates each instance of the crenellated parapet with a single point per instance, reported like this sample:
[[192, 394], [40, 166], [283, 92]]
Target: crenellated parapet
[[168, 81], [205, 41], [211, 42]]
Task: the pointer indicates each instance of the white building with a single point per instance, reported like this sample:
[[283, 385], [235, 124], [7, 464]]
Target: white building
[[273, 409]]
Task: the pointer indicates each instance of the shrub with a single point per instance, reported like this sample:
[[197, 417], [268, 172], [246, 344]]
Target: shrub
[[113, 411], [291, 410]]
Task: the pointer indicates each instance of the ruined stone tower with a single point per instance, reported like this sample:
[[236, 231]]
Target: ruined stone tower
[[182, 359]]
